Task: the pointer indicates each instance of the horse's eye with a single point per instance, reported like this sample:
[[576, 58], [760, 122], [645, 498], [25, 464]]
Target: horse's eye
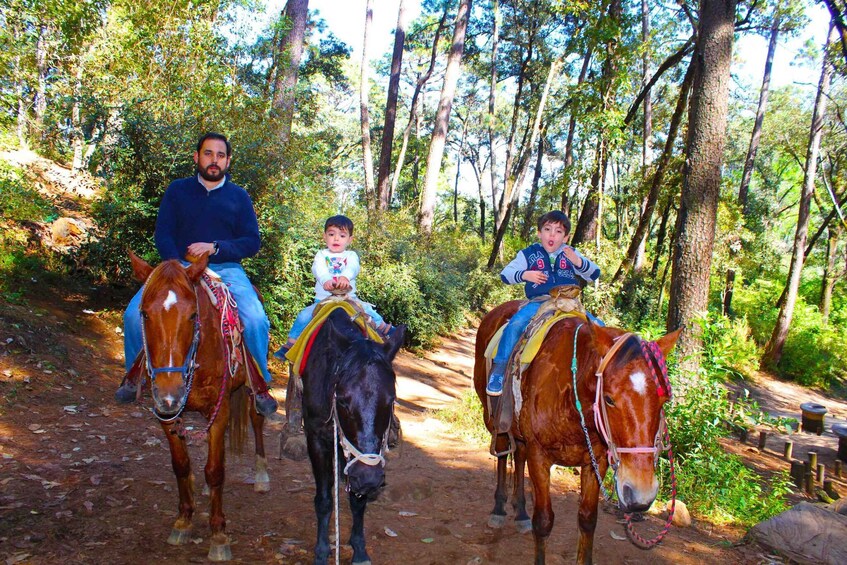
[[144, 314], [608, 400], [194, 316]]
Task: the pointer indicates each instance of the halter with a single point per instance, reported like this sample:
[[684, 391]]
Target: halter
[[186, 370]]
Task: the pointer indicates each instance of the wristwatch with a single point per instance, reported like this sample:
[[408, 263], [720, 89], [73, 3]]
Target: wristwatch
[[216, 246]]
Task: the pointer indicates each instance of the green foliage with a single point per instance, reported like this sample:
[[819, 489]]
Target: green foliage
[[728, 350], [19, 200], [464, 418]]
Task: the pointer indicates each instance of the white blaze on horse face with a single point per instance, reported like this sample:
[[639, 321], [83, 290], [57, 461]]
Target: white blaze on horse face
[[639, 382], [170, 300]]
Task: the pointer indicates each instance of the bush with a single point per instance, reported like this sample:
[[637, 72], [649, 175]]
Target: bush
[[728, 350]]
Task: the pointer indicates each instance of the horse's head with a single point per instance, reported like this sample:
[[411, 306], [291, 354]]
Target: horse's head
[[632, 388], [364, 404], [170, 329]]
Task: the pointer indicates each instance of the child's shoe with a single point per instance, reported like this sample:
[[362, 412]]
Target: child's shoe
[[283, 351], [495, 380]]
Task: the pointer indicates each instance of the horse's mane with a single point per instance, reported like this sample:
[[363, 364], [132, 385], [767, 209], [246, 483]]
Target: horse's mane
[[630, 349], [170, 274]]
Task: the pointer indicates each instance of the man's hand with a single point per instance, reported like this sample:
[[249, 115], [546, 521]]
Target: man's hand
[[572, 256], [195, 250], [536, 277]]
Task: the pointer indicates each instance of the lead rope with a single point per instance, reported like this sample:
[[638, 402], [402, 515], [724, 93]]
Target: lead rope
[[335, 475]]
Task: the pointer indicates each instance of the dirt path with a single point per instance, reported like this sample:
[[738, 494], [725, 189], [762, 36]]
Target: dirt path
[[84, 481]]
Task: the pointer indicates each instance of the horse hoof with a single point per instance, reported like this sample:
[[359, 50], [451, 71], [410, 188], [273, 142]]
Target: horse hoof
[[263, 486], [179, 537], [496, 521], [368, 562], [295, 447], [219, 552], [523, 526]]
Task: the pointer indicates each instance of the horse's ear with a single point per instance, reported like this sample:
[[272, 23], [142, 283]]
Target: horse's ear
[[601, 338], [667, 341], [394, 341], [196, 268], [140, 268]]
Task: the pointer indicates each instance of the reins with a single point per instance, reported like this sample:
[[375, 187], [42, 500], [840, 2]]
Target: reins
[[653, 355]]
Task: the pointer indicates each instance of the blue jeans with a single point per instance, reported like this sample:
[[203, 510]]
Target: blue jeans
[[250, 310], [514, 329], [305, 316]]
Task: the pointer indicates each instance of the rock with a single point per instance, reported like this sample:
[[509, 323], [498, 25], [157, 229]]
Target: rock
[[681, 517]]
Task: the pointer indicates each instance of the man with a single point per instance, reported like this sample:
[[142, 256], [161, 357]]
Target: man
[[208, 213]]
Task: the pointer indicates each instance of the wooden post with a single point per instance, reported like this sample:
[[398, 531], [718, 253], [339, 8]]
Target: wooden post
[[786, 451], [809, 480], [837, 469], [829, 489], [742, 435], [763, 439], [821, 473], [813, 460], [798, 471]]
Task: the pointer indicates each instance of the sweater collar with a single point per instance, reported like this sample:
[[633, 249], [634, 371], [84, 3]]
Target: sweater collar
[[217, 186]]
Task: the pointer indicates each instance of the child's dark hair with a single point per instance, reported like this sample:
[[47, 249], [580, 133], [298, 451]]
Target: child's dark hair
[[555, 217], [341, 222]]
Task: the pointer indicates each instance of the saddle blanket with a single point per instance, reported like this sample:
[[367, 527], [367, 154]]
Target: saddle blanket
[[534, 341]]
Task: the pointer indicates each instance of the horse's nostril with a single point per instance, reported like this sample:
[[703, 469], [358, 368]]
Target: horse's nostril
[[626, 495]]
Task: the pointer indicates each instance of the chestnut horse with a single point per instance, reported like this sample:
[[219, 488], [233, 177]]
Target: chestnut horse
[[349, 388], [548, 430], [188, 370]]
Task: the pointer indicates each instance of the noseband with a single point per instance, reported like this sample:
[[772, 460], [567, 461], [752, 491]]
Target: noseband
[[186, 370]]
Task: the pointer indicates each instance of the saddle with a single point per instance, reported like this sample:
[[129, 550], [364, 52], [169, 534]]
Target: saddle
[[299, 353], [562, 302]]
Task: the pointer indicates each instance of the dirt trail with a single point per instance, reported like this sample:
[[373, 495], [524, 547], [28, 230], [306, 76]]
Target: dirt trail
[[87, 481]]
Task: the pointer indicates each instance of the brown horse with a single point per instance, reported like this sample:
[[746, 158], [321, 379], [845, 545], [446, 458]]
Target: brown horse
[[188, 370], [548, 430]]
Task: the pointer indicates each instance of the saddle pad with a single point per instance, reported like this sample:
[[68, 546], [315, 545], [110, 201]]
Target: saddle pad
[[296, 353], [534, 341]]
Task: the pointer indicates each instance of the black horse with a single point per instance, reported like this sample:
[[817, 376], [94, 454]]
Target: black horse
[[348, 394]]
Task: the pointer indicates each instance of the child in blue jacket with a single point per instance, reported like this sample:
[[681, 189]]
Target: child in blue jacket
[[541, 266]]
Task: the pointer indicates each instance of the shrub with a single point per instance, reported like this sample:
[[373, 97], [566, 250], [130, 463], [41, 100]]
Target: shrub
[[727, 347]]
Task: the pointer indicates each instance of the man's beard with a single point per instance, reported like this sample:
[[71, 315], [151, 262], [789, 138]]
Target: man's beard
[[212, 177]]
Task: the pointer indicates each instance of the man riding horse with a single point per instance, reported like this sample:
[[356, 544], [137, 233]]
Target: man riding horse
[[208, 213]]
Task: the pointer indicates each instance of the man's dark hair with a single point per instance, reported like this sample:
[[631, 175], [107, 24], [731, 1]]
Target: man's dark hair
[[555, 217], [214, 135], [341, 222]]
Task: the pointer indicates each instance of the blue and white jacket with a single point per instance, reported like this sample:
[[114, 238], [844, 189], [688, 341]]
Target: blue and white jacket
[[560, 272]]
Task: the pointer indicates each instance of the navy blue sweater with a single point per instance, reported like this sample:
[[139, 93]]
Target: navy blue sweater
[[190, 214], [559, 272]]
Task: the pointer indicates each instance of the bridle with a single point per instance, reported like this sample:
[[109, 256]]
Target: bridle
[[186, 370]]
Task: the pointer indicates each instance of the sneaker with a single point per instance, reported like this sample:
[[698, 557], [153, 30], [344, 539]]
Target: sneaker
[[265, 404], [126, 393], [283, 351], [495, 384]]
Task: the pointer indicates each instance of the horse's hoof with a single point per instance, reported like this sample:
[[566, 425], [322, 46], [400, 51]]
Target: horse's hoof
[[263, 486], [523, 526], [219, 552], [295, 447], [496, 521], [179, 537], [368, 562]]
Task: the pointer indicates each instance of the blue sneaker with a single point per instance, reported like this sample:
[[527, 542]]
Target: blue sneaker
[[495, 380]]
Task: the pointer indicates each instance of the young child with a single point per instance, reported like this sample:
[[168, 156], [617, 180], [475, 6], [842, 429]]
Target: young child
[[334, 268], [542, 266]]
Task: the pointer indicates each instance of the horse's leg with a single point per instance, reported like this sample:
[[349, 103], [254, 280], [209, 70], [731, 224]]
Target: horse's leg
[[589, 493], [357, 533], [292, 442], [498, 515], [522, 519], [320, 455], [263, 481], [181, 464], [219, 549], [542, 515]]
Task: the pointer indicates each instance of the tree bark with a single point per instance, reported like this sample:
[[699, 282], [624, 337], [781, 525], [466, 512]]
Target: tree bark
[[289, 52], [413, 106], [364, 86], [529, 213], [695, 234], [382, 189], [586, 61], [647, 138], [458, 170], [829, 275], [747, 174], [640, 234], [41, 92], [19, 91], [492, 99], [773, 349], [442, 119]]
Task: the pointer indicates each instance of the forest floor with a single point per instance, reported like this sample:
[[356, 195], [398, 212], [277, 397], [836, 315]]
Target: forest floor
[[86, 481]]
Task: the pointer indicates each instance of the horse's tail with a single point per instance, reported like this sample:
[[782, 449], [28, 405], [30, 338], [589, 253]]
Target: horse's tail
[[239, 420]]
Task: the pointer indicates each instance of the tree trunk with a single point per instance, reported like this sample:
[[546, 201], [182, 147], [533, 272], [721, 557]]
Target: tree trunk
[[523, 165], [647, 139], [492, 99], [695, 234], [41, 92], [586, 61], [413, 107], [660, 238], [364, 87], [442, 118], [760, 114], [529, 213], [78, 141], [382, 189], [773, 349], [586, 226], [458, 170], [829, 275], [20, 91], [640, 235], [289, 51]]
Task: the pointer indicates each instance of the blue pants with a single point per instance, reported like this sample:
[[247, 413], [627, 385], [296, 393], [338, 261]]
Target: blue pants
[[305, 316], [250, 310]]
